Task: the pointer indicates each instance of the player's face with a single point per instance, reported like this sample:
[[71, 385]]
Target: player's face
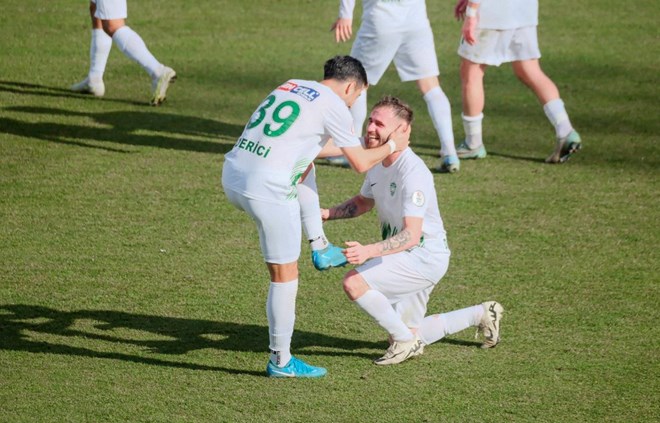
[[382, 122]]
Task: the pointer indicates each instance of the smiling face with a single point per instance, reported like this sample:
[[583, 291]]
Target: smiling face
[[382, 123]]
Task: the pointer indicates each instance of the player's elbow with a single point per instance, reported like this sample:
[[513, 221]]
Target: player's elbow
[[415, 238], [410, 244], [360, 167]]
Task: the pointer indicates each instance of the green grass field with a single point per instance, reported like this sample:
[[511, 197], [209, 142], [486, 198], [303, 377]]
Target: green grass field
[[132, 291]]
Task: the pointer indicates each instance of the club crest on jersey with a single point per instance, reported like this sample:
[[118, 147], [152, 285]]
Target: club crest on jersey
[[418, 198], [307, 93], [392, 189]]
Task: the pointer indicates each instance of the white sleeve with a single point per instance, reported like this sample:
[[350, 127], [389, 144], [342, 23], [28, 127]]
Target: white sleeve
[[339, 124], [365, 191], [416, 194], [346, 9]]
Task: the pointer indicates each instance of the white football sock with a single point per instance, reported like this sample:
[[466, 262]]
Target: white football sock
[[556, 113], [359, 113], [310, 211], [440, 112], [132, 45], [472, 127], [281, 312], [377, 306], [99, 50], [437, 326]]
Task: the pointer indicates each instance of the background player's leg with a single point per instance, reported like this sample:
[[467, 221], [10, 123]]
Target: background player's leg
[[472, 88], [439, 109], [568, 140], [99, 50], [131, 44]]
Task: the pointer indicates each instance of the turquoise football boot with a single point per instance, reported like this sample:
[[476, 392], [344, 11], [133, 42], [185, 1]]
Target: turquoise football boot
[[295, 368]]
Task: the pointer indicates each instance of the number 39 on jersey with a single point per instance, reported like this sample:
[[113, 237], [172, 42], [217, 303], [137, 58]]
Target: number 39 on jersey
[[284, 113]]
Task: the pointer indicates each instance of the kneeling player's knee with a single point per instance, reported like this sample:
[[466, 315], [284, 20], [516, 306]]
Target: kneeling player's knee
[[350, 284]]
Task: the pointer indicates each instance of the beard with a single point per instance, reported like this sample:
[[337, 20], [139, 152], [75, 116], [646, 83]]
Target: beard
[[373, 140]]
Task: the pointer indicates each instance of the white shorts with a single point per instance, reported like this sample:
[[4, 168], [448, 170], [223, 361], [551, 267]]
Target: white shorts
[[110, 9], [413, 54], [406, 279], [412, 308], [495, 47], [278, 224]]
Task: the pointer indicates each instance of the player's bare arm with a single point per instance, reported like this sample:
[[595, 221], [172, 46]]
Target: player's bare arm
[[354, 207], [409, 237], [329, 150], [396, 242], [362, 160]]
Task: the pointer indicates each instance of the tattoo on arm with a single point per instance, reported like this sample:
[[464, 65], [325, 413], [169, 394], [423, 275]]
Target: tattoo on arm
[[395, 242], [344, 211]]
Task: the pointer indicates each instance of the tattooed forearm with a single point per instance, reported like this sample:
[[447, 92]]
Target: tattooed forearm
[[395, 242], [344, 211]]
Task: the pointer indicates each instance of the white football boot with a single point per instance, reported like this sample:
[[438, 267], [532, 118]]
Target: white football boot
[[400, 351], [86, 86], [160, 85], [490, 323]]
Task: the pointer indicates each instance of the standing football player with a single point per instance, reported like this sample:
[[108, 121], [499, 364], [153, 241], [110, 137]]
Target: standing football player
[[261, 173], [399, 31], [395, 276], [503, 31], [108, 25]]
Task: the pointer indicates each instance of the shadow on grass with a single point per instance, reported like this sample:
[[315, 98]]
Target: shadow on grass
[[516, 157], [16, 87], [460, 342], [130, 128], [40, 329]]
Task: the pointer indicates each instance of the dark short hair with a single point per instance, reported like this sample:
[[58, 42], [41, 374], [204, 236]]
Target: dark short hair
[[345, 68], [401, 109]]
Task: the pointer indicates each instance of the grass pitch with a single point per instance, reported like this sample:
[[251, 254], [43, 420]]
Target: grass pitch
[[130, 290]]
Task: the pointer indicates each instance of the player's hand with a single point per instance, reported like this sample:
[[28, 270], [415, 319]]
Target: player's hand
[[469, 30], [343, 28], [356, 253], [401, 137], [325, 214], [459, 10]]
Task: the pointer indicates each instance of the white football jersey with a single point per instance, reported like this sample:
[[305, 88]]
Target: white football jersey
[[284, 135], [405, 188], [379, 16], [508, 14]]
